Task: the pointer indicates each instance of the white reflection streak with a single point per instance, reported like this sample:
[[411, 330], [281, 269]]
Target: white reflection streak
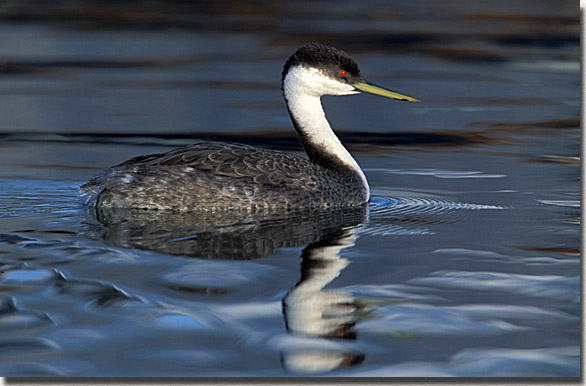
[[313, 312]]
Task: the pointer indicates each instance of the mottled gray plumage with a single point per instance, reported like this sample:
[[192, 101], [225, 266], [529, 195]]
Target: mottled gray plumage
[[221, 176]]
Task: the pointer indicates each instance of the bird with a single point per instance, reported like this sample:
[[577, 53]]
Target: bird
[[218, 176]]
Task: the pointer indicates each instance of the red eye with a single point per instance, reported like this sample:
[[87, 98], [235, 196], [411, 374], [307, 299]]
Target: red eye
[[343, 73]]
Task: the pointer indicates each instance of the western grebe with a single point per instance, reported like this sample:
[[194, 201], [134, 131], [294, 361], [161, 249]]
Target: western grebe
[[221, 176]]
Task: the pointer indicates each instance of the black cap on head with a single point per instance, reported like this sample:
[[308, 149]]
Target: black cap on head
[[327, 58]]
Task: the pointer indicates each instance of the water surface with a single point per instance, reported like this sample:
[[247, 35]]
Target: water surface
[[465, 263]]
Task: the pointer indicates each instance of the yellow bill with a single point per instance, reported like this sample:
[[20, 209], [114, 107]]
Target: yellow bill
[[376, 90]]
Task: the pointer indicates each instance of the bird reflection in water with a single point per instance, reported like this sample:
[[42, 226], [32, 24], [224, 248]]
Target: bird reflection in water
[[309, 310]]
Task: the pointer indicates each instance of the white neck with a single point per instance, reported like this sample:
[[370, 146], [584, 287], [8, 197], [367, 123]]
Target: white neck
[[302, 89]]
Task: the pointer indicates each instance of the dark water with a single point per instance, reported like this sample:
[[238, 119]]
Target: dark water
[[466, 262]]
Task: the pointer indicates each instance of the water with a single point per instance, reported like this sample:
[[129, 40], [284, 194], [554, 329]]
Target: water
[[466, 262]]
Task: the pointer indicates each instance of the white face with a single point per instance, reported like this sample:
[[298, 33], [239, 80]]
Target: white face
[[312, 81]]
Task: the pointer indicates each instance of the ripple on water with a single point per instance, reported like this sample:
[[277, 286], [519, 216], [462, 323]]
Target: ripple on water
[[180, 322], [490, 362], [402, 205], [26, 276], [563, 203], [449, 174], [11, 239], [14, 317], [541, 286], [98, 292], [16, 356], [425, 319], [417, 319], [481, 255], [389, 215], [209, 277], [23, 198], [27, 369]]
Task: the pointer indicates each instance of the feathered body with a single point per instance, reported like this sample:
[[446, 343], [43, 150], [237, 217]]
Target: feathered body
[[223, 176]]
